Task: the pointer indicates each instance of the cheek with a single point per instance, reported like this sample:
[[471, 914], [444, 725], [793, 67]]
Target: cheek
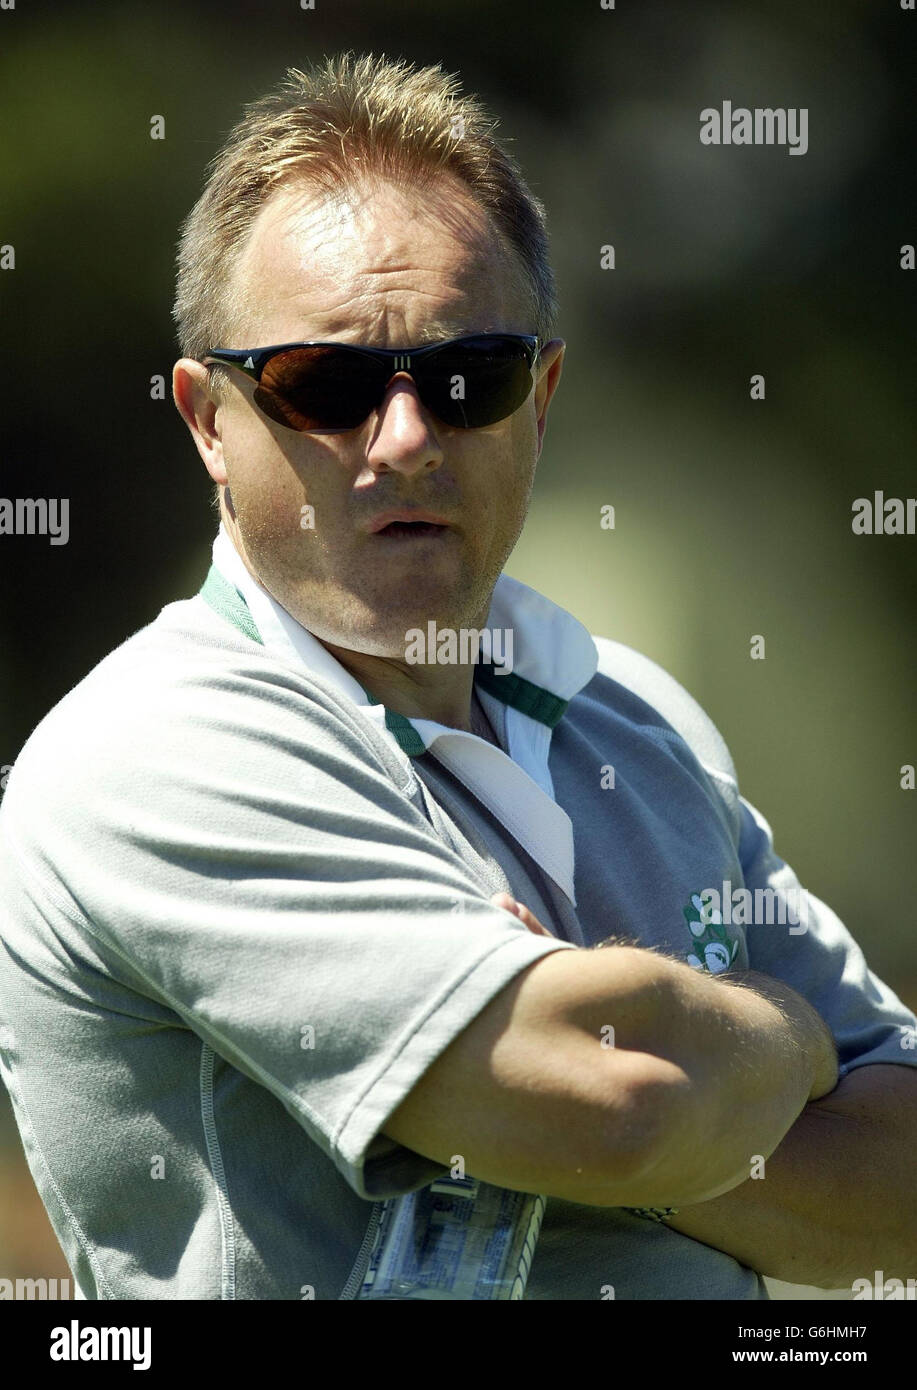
[[499, 475], [523, 450], [525, 435], [267, 492]]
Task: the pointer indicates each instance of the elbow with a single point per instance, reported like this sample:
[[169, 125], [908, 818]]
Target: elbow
[[682, 1156], [638, 1159]]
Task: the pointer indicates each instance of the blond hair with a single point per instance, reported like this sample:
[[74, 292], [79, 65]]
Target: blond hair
[[349, 118]]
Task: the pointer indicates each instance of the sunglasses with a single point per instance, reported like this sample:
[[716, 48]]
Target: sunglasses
[[466, 382]]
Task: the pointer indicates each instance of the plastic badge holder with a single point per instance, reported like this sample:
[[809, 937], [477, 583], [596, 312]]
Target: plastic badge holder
[[456, 1239]]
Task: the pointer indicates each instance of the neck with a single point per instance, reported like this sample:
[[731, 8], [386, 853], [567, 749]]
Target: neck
[[442, 694]]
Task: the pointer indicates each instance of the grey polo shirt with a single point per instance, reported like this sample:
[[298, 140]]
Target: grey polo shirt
[[243, 908]]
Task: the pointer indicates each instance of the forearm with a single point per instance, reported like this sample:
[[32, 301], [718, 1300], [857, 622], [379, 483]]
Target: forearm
[[836, 1201], [742, 1057], [746, 1063]]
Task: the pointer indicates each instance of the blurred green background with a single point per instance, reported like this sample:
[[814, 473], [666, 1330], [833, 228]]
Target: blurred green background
[[732, 516]]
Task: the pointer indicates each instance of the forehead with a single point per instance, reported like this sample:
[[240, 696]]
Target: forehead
[[375, 263]]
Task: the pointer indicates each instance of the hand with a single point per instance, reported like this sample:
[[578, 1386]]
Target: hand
[[528, 919]]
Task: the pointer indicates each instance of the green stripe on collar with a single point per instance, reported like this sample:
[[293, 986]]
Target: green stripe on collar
[[224, 598], [406, 736], [523, 695], [539, 704]]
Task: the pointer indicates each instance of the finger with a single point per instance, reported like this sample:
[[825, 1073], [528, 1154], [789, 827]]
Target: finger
[[527, 918]]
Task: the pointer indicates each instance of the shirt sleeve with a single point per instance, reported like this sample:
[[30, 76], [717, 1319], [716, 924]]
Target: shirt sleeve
[[225, 842], [823, 962], [812, 951]]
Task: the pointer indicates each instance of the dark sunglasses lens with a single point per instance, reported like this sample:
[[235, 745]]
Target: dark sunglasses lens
[[477, 383], [317, 388]]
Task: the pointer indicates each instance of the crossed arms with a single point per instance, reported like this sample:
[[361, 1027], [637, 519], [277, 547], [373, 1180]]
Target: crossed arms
[[706, 1076]]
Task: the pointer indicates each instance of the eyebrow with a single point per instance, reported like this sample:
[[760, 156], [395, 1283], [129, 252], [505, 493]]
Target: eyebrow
[[436, 331]]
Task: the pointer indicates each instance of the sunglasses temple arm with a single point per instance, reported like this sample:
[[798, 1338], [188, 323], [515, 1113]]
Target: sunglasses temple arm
[[213, 359]]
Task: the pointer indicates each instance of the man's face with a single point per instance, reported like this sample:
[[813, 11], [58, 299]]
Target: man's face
[[391, 269]]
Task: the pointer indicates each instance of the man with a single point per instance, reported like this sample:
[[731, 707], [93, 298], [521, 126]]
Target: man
[[294, 923]]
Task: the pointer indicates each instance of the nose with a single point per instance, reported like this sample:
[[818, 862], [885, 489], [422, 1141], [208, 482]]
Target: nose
[[405, 436]]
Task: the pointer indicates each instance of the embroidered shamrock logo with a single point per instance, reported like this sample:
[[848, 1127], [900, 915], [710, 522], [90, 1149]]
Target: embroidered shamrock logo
[[716, 949]]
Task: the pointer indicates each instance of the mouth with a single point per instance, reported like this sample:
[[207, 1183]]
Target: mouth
[[410, 524], [411, 530]]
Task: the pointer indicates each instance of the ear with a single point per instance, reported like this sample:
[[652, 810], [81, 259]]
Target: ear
[[550, 365], [199, 406]]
